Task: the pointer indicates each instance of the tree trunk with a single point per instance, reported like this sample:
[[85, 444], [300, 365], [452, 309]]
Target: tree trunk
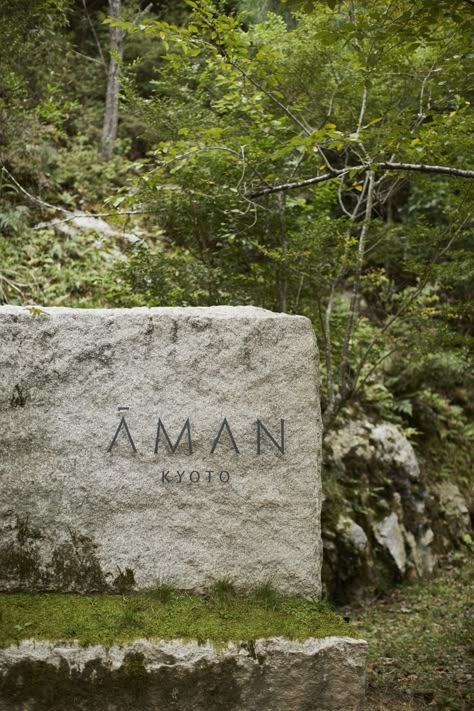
[[283, 271], [109, 130]]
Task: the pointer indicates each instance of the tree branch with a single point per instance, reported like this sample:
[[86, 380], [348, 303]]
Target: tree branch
[[363, 167], [142, 13], [326, 324], [335, 402], [94, 33], [70, 215], [363, 108], [31, 197], [423, 168], [295, 185]]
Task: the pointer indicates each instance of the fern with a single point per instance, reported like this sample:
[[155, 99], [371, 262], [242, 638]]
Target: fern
[[12, 220]]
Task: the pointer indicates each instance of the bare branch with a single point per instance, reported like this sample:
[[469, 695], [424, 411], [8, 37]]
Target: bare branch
[[13, 285], [298, 295], [85, 56], [194, 152], [57, 208], [96, 38], [332, 98], [363, 167], [344, 209], [284, 253], [423, 168], [31, 197], [142, 13], [362, 109], [421, 111], [111, 114], [302, 124], [326, 324], [377, 364], [333, 402], [297, 184], [344, 380]]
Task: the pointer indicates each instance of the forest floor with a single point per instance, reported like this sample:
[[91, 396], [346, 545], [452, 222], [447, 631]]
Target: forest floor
[[421, 642]]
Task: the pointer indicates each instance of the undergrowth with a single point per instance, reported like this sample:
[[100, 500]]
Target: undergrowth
[[421, 643]]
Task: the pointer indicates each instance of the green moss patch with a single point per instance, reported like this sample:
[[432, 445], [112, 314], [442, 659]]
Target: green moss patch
[[163, 614]]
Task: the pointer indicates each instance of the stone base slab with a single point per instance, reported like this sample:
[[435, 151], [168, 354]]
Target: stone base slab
[[274, 674]]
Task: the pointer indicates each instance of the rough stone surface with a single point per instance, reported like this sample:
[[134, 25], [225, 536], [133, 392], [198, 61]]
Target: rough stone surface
[[453, 511], [276, 674], [367, 440], [79, 221], [452, 501], [75, 516], [389, 534], [353, 533], [376, 528]]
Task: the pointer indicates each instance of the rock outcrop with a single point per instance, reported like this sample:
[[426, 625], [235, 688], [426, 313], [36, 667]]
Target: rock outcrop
[[376, 530], [384, 519]]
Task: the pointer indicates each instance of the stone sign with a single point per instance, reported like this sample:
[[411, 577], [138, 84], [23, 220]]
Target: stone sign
[[165, 445]]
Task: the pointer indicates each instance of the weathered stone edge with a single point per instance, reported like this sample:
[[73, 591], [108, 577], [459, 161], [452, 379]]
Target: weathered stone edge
[[156, 653], [274, 674], [219, 312]]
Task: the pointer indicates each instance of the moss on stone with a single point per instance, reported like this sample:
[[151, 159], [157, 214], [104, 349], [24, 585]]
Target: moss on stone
[[28, 562], [41, 686], [106, 619]]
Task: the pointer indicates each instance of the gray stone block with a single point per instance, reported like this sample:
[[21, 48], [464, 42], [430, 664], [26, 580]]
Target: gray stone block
[[277, 674], [93, 498]]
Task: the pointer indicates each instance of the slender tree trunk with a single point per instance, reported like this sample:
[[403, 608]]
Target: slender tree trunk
[[109, 130], [283, 271], [346, 381]]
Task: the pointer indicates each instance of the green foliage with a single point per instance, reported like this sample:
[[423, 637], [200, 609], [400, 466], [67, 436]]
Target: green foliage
[[13, 218], [219, 102], [162, 592], [222, 590], [239, 106], [469, 542], [268, 596], [159, 277], [29, 102], [81, 178], [39, 267]]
